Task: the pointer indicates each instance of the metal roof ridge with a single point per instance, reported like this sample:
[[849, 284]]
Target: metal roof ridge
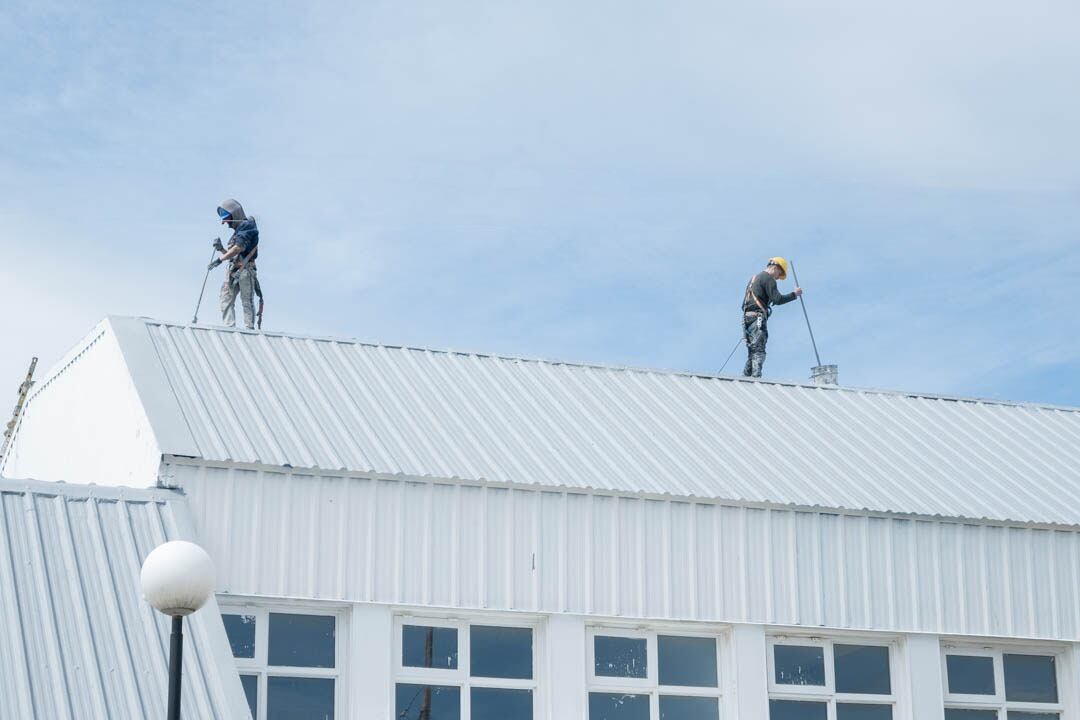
[[59, 488], [615, 367]]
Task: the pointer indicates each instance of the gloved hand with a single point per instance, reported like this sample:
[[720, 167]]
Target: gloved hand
[[218, 246], [214, 264]]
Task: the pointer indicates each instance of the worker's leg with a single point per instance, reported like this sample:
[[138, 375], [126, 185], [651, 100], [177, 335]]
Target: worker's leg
[[246, 283], [228, 300], [755, 346], [748, 368]]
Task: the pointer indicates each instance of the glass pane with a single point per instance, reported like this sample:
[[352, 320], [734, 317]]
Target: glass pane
[[299, 698], [1030, 678], [863, 711], [617, 706], [953, 714], [241, 632], [796, 710], [251, 692], [970, 675], [1017, 715], [497, 704], [687, 661], [689, 708], [429, 647], [301, 640], [427, 702], [620, 656], [799, 665], [861, 669], [500, 652]]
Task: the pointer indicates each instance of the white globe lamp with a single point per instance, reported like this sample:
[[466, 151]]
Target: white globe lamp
[[177, 579]]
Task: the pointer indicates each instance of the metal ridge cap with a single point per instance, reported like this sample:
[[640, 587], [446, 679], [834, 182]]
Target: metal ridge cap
[[60, 488]]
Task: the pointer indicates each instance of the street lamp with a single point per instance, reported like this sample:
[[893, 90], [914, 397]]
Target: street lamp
[[177, 579]]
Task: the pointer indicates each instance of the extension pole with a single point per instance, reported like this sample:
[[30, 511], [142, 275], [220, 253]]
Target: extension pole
[[803, 303], [195, 319]]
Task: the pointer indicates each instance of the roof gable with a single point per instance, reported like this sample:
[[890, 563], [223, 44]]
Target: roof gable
[[342, 405]]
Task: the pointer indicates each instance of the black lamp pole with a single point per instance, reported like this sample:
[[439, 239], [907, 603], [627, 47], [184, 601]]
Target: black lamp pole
[[176, 661]]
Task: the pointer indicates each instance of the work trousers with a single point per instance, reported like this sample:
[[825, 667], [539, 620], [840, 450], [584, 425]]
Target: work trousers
[[240, 282], [756, 332]]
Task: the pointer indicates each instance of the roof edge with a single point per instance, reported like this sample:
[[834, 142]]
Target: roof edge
[[636, 494]]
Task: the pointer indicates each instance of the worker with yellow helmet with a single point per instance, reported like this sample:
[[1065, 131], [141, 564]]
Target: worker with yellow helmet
[[761, 295]]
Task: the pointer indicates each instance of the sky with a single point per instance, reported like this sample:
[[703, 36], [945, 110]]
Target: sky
[[592, 182]]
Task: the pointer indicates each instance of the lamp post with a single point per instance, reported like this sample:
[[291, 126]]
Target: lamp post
[[177, 579]]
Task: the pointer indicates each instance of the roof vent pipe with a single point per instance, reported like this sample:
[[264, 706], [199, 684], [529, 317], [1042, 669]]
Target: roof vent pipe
[[825, 375]]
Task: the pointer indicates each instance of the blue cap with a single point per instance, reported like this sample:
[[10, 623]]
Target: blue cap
[[223, 213]]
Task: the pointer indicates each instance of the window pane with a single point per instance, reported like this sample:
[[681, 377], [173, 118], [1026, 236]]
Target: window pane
[[299, 698], [251, 692], [799, 665], [860, 669], [620, 656], [863, 711], [686, 661], [796, 710], [241, 632], [970, 675], [1016, 715], [301, 640], [1030, 678], [951, 714], [500, 652], [497, 704], [429, 647], [617, 706], [427, 702], [689, 708]]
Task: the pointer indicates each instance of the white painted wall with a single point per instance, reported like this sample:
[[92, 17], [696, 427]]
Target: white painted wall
[[84, 423], [465, 546]]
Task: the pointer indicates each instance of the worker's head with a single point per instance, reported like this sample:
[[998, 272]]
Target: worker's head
[[231, 213], [777, 267]]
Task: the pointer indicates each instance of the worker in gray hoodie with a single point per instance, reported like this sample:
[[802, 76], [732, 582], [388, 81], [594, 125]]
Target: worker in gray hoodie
[[241, 278]]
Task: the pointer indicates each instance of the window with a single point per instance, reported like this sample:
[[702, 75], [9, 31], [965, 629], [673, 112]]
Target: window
[[288, 661], [456, 670], [641, 675], [812, 679], [991, 684]]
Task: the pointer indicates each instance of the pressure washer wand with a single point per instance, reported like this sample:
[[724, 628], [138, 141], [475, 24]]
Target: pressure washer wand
[[217, 247], [803, 303]]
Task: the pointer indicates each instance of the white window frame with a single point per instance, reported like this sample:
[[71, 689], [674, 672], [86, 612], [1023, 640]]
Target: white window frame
[[650, 684], [827, 693], [259, 665], [461, 677], [997, 701]]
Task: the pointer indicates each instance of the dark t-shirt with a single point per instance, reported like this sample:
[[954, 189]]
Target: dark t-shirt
[[763, 287]]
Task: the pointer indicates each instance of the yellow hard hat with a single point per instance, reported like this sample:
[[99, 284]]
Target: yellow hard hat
[[780, 263]]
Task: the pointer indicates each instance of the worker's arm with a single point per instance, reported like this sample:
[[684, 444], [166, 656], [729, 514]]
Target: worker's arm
[[778, 298], [231, 253]]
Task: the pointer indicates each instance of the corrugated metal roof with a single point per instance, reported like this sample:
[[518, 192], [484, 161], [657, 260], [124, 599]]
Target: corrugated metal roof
[[327, 404], [76, 639]]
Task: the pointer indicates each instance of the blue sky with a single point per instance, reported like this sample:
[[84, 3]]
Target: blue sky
[[582, 181]]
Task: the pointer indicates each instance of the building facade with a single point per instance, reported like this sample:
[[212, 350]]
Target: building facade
[[405, 533]]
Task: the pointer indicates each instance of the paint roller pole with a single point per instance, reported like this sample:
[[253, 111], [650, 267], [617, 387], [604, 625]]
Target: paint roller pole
[[813, 342], [195, 319]]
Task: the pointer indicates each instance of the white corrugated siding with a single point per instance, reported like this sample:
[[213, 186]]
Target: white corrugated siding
[[467, 546], [76, 639], [333, 405]]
